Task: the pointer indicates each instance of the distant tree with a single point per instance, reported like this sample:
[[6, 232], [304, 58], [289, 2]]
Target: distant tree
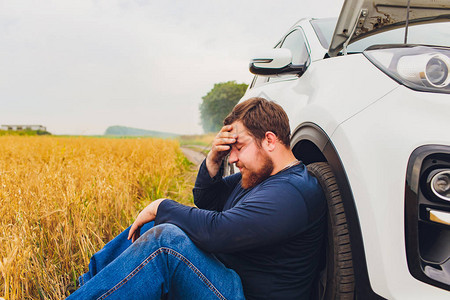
[[218, 103]]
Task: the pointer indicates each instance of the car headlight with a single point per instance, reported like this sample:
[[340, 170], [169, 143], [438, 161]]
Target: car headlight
[[440, 184], [420, 68]]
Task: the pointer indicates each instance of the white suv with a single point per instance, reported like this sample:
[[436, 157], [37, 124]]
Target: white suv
[[370, 114]]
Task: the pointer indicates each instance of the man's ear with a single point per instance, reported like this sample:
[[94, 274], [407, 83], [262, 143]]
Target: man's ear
[[270, 140]]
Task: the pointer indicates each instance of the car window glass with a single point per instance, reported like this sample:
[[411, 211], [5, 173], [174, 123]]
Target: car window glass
[[295, 42], [324, 29], [258, 80]]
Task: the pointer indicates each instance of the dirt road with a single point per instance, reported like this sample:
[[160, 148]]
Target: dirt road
[[195, 157]]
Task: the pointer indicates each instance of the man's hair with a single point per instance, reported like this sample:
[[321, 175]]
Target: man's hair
[[259, 116]]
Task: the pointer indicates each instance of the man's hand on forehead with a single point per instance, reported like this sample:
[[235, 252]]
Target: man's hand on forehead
[[222, 143], [220, 147], [226, 137]]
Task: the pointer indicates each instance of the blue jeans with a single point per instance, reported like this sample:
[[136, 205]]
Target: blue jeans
[[163, 262]]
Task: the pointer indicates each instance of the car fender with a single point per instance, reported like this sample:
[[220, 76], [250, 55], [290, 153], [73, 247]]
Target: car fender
[[308, 138]]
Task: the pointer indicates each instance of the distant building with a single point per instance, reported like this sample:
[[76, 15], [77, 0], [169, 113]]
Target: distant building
[[23, 127]]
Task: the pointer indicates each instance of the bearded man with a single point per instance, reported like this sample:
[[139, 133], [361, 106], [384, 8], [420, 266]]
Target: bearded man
[[256, 234]]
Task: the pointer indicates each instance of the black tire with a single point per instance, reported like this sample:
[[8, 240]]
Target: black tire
[[336, 279]]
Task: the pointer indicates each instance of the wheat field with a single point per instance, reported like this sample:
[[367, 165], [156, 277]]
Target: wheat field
[[63, 198]]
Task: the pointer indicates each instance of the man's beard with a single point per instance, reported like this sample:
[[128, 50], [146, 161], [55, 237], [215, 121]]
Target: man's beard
[[251, 178]]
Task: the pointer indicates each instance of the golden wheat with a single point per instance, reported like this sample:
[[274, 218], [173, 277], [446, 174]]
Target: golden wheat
[[61, 199]]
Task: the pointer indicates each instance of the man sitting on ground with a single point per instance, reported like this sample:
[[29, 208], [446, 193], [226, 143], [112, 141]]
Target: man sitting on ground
[[255, 234]]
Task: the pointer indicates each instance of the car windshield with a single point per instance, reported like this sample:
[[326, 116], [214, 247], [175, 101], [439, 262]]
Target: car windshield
[[426, 34]]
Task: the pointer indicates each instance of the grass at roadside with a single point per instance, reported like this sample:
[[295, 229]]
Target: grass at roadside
[[203, 140], [200, 143], [62, 199]]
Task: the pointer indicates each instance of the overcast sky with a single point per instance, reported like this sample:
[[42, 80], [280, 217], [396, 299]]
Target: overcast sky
[[78, 66]]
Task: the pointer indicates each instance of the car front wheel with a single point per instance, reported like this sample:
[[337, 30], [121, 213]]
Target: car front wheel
[[336, 278]]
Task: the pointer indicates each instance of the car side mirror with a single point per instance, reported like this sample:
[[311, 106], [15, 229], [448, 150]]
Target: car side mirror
[[276, 61]]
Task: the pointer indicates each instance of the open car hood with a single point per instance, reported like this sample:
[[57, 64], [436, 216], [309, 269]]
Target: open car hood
[[360, 18]]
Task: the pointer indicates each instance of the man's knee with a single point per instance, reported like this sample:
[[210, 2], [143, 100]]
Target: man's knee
[[166, 235]]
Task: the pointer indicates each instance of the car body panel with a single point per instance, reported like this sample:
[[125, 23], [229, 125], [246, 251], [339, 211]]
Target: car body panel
[[375, 149], [306, 99]]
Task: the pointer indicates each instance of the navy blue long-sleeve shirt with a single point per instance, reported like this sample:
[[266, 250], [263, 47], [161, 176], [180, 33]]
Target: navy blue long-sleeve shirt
[[270, 234]]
